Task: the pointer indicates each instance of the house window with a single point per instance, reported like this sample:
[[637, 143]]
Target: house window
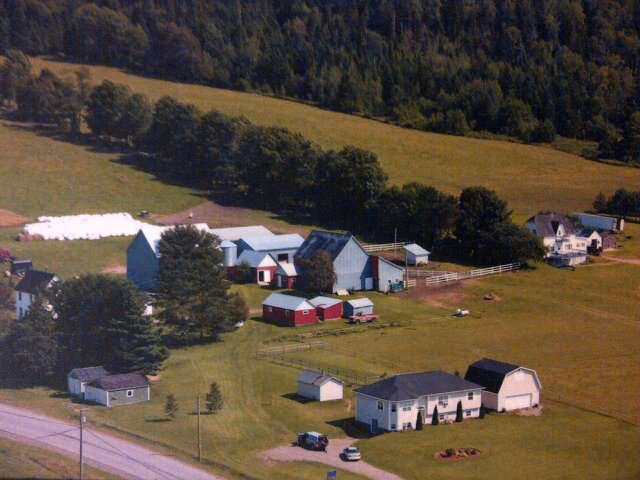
[[270, 309], [406, 426], [20, 316], [470, 396], [393, 407], [393, 426], [441, 416], [286, 313], [380, 405], [305, 312], [406, 407], [443, 401], [467, 413], [283, 257], [129, 393], [261, 276]]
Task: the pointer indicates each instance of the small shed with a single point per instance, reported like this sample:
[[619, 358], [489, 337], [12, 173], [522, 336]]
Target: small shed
[[319, 386], [327, 308], [609, 242], [286, 275], [592, 238], [288, 310], [118, 389], [261, 265], [416, 255], [358, 306], [78, 378]]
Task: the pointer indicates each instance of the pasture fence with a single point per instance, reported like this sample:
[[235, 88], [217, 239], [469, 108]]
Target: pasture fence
[[454, 277], [384, 247]]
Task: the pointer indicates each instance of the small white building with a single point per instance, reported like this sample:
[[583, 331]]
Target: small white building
[[78, 378], [507, 386], [591, 237], [33, 282], [416, 255], [319, 386], [393, 404]]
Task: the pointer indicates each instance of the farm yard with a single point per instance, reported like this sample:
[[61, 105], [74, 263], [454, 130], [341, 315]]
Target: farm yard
[[578, 329]]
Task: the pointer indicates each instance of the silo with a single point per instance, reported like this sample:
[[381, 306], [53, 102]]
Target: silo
[[230, 251]]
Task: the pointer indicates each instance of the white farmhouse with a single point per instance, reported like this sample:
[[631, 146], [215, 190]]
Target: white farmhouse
[[393, 404], [319, 386], [559, 237], [507, 386], [33, 282]]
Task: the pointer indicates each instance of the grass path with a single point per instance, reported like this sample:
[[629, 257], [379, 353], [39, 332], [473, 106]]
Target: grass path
[[531, 178]]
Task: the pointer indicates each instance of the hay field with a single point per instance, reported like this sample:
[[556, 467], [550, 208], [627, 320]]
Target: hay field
[[531, 178]]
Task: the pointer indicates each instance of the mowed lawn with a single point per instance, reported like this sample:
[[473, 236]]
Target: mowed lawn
[[582, 341], [531, 178]]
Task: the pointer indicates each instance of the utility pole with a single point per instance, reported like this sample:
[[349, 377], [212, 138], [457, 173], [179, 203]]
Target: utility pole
[[199, 434], [82, 420]]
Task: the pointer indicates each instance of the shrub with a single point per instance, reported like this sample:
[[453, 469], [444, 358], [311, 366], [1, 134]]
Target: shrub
[[459, 412], [434, 419], [482, 411], [449, 452], [171, 407], [419, 420]]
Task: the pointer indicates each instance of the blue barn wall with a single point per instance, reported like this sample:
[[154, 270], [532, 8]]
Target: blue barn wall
[[353, 266], [388, 272], [142, 263]]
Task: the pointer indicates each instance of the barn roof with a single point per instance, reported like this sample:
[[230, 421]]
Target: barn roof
[[330, 242], [35, 281], [255, 259], [288, 269], [88, 374], [315, 378], [324, 302], [416, 249], [236, 233], [587, 232], [274, 242], [547, 224], [287, 302], [120, 381], [409, 386], [489, 373], [360, 302]]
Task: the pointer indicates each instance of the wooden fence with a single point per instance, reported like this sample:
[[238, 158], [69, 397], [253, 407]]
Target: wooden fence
[[454, 277], [411, 283], [384, 247], [278, 355]]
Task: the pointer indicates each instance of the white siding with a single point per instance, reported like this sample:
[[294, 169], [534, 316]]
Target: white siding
[[97, 395], [331, 390], [75, 386], [518, 382], [366, 409], [449, 411]]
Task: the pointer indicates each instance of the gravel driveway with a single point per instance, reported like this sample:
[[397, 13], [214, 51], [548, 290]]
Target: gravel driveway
[[293, 453]]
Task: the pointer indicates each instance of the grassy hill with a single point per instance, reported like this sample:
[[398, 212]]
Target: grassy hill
[[531, 178]]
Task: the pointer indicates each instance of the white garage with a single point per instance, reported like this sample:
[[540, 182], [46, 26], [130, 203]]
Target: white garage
[[318, 386], [507, 386]]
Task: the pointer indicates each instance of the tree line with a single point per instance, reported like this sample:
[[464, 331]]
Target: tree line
[[528, 69], [622, 203], [279, 170]]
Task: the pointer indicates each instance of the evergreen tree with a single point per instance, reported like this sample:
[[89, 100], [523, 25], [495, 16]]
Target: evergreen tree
[[419, 421], [171, 406], [482, 411], [459, 417], [318, 274], [32, 345], [600, 202], [435, 419], [191, 281], [214, 400]]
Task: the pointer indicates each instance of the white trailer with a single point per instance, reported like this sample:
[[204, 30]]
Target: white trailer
[[600, 222]]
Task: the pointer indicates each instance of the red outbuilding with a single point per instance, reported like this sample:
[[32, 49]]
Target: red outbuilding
[[328, 308], [286, 275], [288, 311]]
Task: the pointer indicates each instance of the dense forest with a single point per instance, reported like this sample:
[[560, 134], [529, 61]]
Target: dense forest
[[525, 68]]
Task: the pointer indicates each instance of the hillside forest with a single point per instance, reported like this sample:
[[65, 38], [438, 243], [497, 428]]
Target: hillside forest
[[522, 68]]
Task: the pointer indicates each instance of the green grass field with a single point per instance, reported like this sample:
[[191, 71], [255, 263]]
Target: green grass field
[[531, 178], [22, 461]]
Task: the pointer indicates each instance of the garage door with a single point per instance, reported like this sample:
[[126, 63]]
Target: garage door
[[517, 401]]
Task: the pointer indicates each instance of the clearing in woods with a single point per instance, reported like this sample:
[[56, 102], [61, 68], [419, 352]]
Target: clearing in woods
[[531, 178]]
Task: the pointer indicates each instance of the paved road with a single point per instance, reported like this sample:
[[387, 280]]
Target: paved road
[[293, 453], [105, 452]]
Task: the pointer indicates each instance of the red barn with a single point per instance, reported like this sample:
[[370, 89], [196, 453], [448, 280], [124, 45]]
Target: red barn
[[328, 308], [288, 311]]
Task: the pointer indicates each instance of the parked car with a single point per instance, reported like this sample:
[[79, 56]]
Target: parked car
[[351, 454], [313, 441]]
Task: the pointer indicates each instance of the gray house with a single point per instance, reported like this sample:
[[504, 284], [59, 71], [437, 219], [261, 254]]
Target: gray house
[[118, 389]]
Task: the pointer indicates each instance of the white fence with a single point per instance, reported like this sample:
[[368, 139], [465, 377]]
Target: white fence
[[426, 273], [384, 247], [411, 283], [454, 277], [282, 349]]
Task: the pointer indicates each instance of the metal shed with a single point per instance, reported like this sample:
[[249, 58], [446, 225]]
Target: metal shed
[[416, 254], [358, 306]]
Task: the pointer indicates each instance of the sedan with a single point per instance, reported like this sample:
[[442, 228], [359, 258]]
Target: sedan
[[351, 454]]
